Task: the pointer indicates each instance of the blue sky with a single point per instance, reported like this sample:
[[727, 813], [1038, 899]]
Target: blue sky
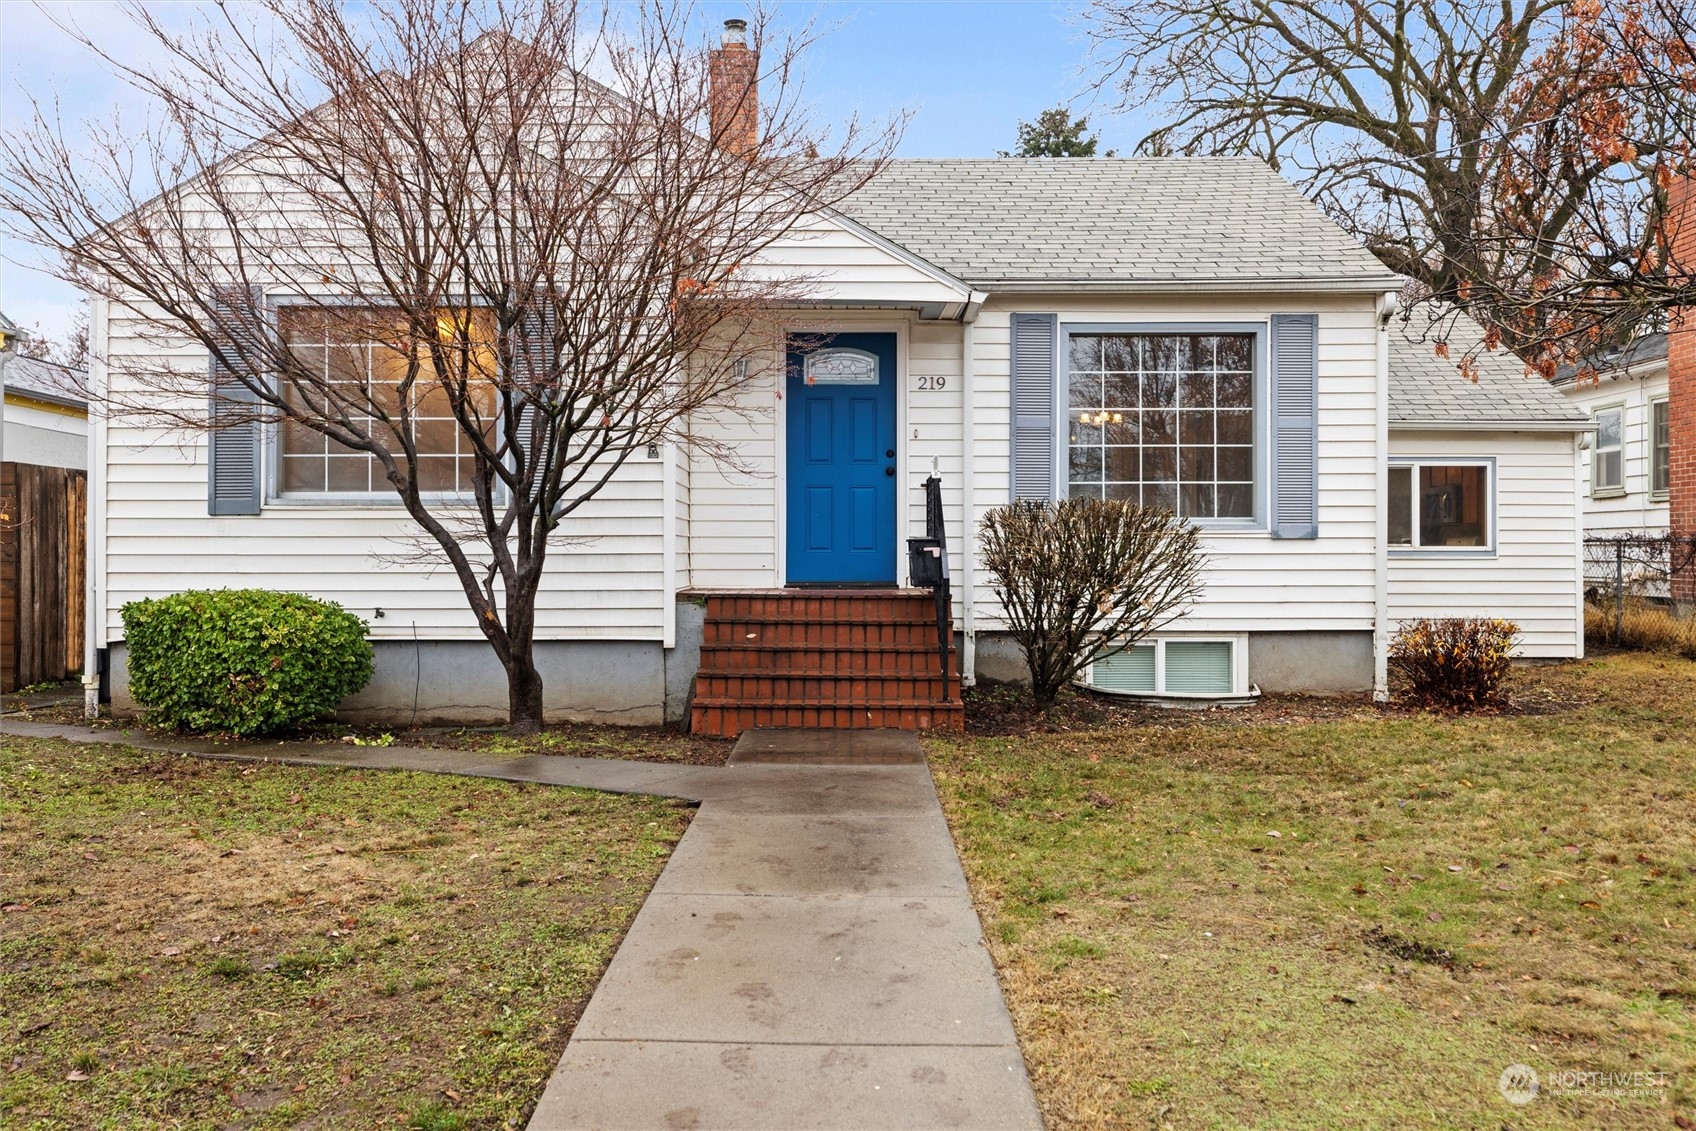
[[967, 72]]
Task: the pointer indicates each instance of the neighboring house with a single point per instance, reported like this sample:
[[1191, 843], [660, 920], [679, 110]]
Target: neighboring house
[[1189, 332], [46, 415], [44, 454], [1627, 468]]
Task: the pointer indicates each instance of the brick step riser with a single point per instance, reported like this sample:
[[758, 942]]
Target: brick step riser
[[730, 721], [821, 609], [823, 636], [764, 688], [728, 661]]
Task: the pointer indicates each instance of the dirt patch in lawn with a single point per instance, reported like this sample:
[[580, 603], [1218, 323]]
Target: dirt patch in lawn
[[582, 740], [209, 944], [1002, 710], [1356, 921]]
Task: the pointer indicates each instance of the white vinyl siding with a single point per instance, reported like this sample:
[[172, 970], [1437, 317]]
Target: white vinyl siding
[[604, 583], [1253, 581], [1532, 578], [1638, 507]]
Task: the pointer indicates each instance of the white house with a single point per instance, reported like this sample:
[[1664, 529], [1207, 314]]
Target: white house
[[1189, 332], [1627, 470]]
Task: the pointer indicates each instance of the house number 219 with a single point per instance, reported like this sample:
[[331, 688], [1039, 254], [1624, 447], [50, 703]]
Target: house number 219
[[928, 383]]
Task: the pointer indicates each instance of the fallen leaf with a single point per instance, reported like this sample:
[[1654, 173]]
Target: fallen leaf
[[1435, 916], [172, 951], [77, 1075], [451, 1094], [1275, 834]]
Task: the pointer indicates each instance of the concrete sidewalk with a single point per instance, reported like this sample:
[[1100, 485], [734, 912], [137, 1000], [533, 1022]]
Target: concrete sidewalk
[[809, 958], [608, 775]]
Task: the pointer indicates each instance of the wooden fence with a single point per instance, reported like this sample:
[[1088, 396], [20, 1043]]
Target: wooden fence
[[43, 571]]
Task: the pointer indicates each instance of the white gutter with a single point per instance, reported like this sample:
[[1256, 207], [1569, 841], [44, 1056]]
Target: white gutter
[[1494, 425], [668, 546], [1338, 285], [1388, 304], [94, 558], [968, 527]]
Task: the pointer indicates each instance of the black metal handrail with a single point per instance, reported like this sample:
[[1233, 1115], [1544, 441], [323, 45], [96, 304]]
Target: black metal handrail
[[936, 534]]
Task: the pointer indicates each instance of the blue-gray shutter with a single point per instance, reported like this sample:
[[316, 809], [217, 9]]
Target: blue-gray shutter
[[533, 361], [1295, 426], [1034, 428], [233, 445]]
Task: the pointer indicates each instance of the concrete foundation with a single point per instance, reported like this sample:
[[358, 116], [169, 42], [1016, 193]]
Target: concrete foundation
[[634, 683], [1323, 662], [1320, 662]]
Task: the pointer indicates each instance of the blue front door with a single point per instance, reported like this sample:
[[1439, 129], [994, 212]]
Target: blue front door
[[841, 459]]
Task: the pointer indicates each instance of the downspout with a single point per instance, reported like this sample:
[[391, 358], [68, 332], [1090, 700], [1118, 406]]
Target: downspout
[[1388, 305], [968, 532], [94, 558], [1578, 487]]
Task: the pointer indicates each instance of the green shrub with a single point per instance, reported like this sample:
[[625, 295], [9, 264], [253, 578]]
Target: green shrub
[[1456, 662], [242, 661]]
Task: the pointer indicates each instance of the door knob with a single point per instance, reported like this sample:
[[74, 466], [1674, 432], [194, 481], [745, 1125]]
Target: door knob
[[889, 471]]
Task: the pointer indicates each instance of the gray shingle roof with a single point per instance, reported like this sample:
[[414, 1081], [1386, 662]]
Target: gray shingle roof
[[1112, 222], [1427, 389], [1650, 347], [33, 377]]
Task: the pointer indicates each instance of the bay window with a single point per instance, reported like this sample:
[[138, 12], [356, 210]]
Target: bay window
[[1164, 419]]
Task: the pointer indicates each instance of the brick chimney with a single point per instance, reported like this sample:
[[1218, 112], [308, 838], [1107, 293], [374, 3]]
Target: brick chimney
[[1681, 380], [733, 74]]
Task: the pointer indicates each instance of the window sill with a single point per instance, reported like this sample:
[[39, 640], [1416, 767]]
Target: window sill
[[1229, 526], [363, 502], [1441, 552], [1660, 496], [1608, 493]]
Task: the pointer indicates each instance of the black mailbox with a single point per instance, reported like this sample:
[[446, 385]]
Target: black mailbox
[[924, 562]]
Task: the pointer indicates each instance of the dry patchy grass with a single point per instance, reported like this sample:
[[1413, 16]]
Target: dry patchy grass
[[203, 944], [1349, 921]]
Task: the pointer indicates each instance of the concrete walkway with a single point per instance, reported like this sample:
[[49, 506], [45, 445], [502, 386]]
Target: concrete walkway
[[809, 958]]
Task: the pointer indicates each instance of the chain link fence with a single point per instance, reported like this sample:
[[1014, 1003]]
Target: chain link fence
[[1633, 567]]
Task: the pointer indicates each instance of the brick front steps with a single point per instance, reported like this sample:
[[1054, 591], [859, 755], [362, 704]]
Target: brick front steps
[[840, 658]]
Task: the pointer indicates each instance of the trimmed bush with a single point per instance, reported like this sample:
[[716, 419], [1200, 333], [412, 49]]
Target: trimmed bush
[[243, 661], [1084, 578], [1458, 662]]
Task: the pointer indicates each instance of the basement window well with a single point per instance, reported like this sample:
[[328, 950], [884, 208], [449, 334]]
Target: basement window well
[[1175, 668]]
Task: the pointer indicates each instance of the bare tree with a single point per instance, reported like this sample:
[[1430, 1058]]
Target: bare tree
[[1083, 579], [474, 254], [1510, 159], [69, 351]]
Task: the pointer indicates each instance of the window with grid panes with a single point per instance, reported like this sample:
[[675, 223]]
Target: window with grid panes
[[360, 361], [1163, 419]]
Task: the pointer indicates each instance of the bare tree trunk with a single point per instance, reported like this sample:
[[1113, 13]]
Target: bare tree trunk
[[524, 691]]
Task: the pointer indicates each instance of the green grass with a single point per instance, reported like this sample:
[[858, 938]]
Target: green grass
[[207, 944], [1349, 921]]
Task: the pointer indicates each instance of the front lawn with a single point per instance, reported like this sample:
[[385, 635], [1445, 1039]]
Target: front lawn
[[1357, 920], [208, 944]]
